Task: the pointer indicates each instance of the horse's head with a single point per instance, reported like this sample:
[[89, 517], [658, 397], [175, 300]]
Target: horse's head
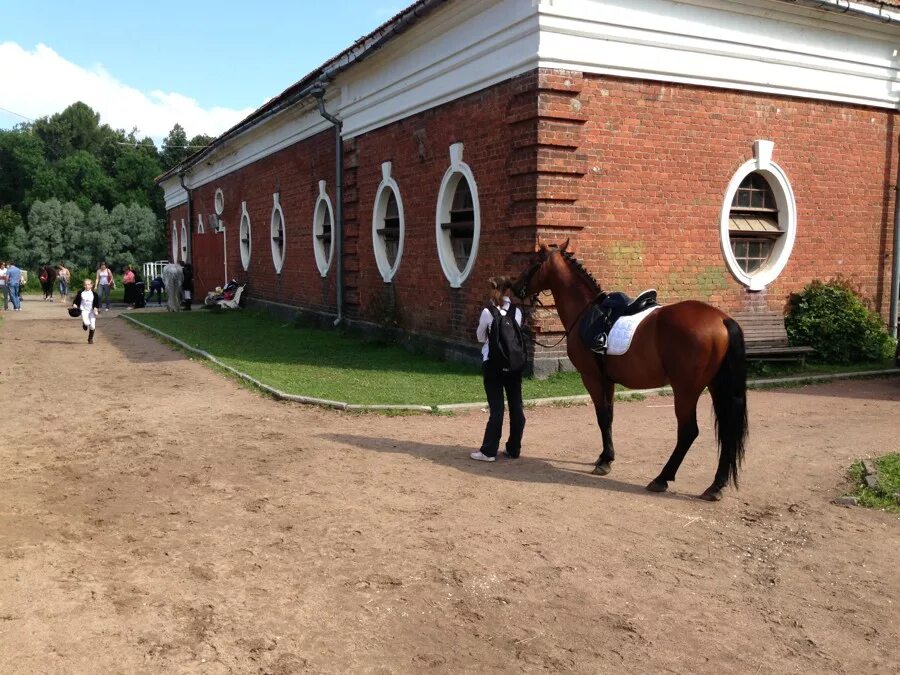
[[535, 277]]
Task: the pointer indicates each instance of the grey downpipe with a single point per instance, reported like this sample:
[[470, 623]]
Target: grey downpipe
[[190, 213], [895, 262], [319, 93]]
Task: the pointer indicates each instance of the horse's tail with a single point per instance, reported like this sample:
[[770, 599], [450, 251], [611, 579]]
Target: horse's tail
[[729, 395]]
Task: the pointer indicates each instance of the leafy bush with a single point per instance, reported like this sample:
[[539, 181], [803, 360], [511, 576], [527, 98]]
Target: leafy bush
[[832, 318]]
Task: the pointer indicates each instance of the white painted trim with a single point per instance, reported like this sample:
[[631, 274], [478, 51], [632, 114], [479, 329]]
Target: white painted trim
[[759, 46], [787, 222], [457, 50], [764, 46], [175, 246], [219, 202], [185, 245], [461, 49], [382, 195], [455, 172], [276, 211], [200, 228], [245, 249], [323, 262]]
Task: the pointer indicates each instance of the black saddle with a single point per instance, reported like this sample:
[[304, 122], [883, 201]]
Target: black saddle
[[606, 309]]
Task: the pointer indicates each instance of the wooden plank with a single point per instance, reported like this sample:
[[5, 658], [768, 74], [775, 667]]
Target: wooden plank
[[765, 337], [780, 350]]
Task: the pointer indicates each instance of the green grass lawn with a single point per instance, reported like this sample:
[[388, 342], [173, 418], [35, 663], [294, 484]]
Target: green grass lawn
[[335, 365], [885, 495]]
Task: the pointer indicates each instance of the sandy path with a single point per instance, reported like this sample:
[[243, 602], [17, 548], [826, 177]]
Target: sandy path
[[178, 522]]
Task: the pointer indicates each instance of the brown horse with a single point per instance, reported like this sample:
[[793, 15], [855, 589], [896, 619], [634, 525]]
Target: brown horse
[[690, 345]]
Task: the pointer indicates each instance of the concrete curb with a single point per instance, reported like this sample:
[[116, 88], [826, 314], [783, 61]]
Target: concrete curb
[[755, 384], [459, 407]]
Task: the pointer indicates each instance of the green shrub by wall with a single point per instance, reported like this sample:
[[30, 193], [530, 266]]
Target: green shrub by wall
[[831, 317]]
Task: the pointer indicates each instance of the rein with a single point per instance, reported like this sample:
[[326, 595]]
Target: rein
[[568, 331], [535, 297]]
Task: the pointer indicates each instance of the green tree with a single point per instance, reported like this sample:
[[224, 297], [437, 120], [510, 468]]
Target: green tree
[[135, 169], [174, 148], [17, 246], [198, 142], [9, 221], [134, 233], [75, 128], [96, 238], [52, 226], [78, 177], [21, 160]]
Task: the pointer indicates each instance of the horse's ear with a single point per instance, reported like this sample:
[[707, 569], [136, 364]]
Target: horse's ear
[[539, 244], [565, 246]]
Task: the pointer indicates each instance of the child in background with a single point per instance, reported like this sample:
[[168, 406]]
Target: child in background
[[88, 303]]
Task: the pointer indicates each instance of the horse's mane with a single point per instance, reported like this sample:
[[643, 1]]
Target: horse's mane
[[582, 271]]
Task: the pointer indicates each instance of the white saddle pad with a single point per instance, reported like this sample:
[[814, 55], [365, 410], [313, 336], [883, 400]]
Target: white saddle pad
[[623, 330]]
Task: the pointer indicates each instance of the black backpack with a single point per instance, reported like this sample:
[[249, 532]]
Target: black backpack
[[506, 343]]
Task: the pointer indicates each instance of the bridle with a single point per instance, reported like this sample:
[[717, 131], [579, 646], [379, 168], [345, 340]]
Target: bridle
[[535, 297]]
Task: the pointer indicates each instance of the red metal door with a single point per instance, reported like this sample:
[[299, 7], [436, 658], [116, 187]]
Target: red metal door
[[209, 263]]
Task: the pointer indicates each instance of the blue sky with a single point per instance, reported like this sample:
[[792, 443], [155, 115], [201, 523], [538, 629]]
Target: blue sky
[[209, 62]]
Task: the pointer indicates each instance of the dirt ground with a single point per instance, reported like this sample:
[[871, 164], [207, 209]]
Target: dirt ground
[[178, 522]]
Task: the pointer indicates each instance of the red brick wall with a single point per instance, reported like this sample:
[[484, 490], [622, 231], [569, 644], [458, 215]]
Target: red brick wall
[[175, 216], [660, 157], [295, 172], [635, 172], [419, 148]]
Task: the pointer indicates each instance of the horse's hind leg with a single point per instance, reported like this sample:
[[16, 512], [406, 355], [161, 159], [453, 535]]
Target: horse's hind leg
[[686, 413], [602, 392]]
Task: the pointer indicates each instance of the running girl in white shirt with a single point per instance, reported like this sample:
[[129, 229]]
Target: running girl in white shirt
[[88, 303]]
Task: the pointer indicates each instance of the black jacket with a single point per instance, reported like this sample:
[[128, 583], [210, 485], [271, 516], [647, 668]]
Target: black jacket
[[96, 304]]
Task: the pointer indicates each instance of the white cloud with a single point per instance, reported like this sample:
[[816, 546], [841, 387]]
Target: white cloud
[[41, 82]]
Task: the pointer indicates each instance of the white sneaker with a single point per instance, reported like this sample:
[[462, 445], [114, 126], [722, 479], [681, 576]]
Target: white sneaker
[[480, 457]]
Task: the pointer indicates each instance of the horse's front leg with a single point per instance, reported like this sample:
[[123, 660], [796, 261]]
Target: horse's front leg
[[602, 391]]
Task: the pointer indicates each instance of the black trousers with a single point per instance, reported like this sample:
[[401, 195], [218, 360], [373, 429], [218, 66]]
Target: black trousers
[[497, 381]]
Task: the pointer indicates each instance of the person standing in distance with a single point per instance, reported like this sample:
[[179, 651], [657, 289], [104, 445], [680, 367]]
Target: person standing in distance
[[503, 359], [104, 282], [88, 303], [13, 279], [3, 289], [63, 275]]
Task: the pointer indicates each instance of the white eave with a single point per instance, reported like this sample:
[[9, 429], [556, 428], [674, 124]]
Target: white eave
[[834, 50]]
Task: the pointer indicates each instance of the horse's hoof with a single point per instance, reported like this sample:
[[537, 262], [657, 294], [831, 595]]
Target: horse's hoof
[[711, 495], [657, 486], [602, 468]]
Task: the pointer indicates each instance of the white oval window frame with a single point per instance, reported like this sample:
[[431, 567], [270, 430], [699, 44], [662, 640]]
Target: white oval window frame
[[184, 242], [219, 202], [174, 242], [323, 202], [382, 195], [276, 210], [787, 218], [248, 249], [457, 167]]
